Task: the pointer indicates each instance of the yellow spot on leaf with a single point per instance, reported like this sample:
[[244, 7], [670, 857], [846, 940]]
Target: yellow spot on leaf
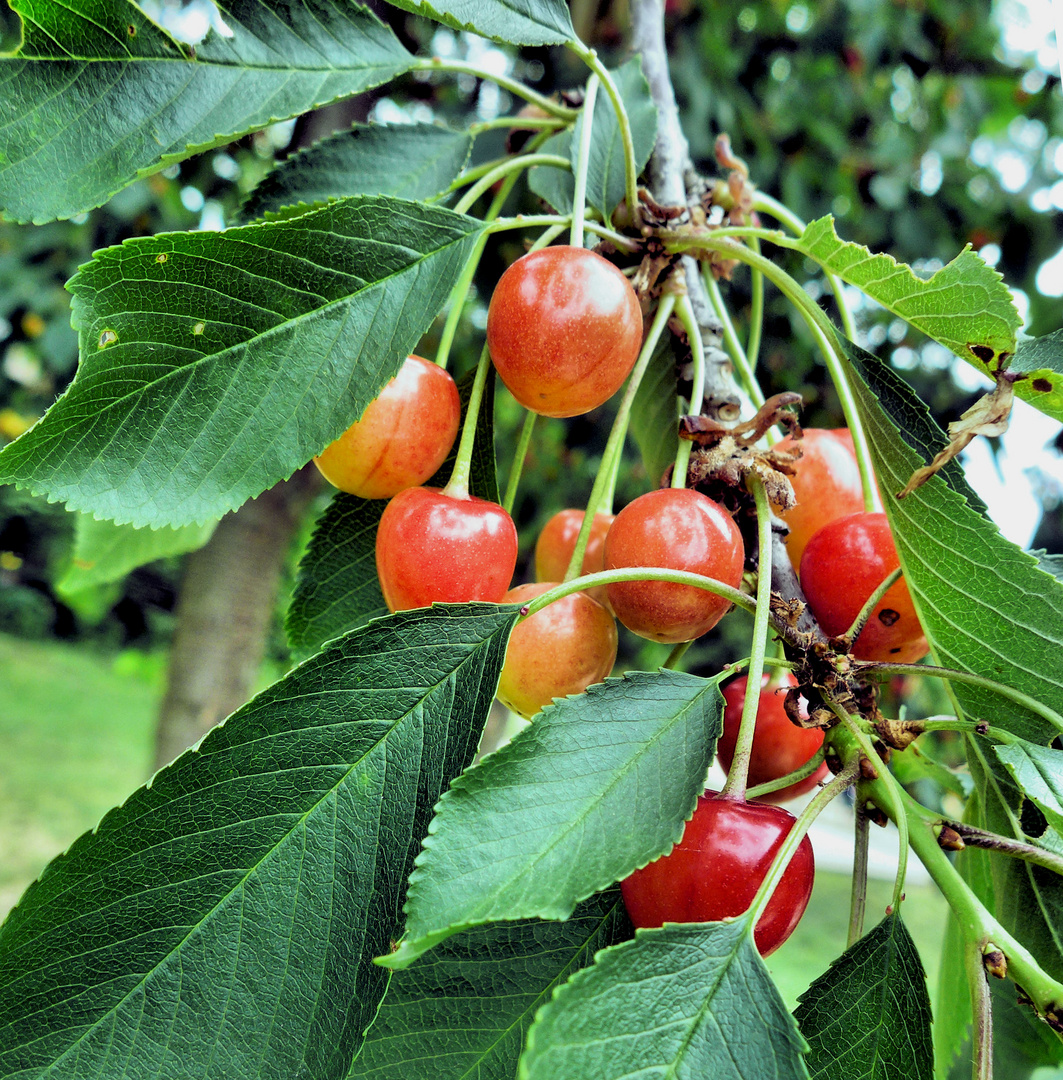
[[108, 337]]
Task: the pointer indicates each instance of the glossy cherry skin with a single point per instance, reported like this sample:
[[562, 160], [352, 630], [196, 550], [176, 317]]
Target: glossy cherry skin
[[564, 328], [842, 566], [682, 530], [559, 651], [402, 438], [715, 870], [557, 541], [826, 484], [431, 547], [779, 746]]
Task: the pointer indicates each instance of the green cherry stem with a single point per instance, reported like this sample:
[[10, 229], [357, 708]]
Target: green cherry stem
[[458, 487], [794, 777], [522, 123], [858, 895], [685, 311], [457, 301], [981, 1011], [516, 164], [735, 786], [870, 603], [756, 311], [514, 86], [614, 445], [678, 652], [585, 127], [796, 834], [534, 221], [513, 480], [973, 727]]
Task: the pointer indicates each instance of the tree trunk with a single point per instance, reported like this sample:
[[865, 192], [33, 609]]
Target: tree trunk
[[224, 611]]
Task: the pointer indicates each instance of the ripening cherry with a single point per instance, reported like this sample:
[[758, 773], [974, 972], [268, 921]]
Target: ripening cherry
[[402, 438], [557, 541], [560, 650], [779, 745], [678, 529], [564, 329], [714, 872], [826, 484], [433, 547], [842, 566]]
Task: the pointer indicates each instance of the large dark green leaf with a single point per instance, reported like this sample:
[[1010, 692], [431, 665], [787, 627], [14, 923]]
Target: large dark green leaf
[[215, 364], [690, 1002], [598, 786], [1038, 771], [99, 94], [605, 166], [986, 606], [518, 22], [337, 588], [221, 923], [468, 1006], [655, 411], [868, 1016], [410, 161]]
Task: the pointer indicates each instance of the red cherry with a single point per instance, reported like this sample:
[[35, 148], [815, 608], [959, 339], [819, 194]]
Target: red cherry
[[779, 745], [559, 651], [682, 530], [432, 547], [557, 541], [715, 870], [564, 329], [826, 484], [402, 438], [842, 566]]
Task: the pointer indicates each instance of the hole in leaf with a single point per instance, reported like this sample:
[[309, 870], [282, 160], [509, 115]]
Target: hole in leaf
[[1031, 820]]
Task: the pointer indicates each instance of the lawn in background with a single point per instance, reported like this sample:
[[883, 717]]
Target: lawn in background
[[76, 736]]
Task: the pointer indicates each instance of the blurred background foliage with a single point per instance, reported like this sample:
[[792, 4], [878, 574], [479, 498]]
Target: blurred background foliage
[[922, 125]]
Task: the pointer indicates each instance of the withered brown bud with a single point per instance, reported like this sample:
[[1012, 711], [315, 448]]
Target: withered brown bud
[[949, 839], [876, 815], [867, 770], [994, 961], [834, 762]]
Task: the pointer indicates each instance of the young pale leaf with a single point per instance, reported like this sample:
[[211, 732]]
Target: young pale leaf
[[966, 305], [105, 552], [409, 161], [598, 786], [337, 588], [516, 22], [655, 413], [605, 167], [221, 923], [868, 1016], [468, 1006], [98, 94], [688, 1002], [215, 364], [986, 606], [1038, 771], [1040, 361]]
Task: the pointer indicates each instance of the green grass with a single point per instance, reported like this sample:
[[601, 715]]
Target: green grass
[[76, 732], [75, 739]]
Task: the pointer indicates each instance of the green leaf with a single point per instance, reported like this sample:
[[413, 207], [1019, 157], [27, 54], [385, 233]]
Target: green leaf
[[105, 552], [986, 606], [215, 364], [516, 22], [409, 161], [605, 166], [1040, 360], [867, 1017], [965, 305], [1038, 771], [221, 923], [683, 1001], [655, 411], [98, 94], [337, 588], [468, 1006], [914, 764], [598, 786]]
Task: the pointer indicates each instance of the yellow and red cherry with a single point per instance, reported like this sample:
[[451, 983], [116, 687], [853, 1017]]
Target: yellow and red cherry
[[402, 438], [678, 529], [779, 745], [842, 566], [433, 547], [826, 484], [558, 651], [564, 329], [557, 541], [714, 872]]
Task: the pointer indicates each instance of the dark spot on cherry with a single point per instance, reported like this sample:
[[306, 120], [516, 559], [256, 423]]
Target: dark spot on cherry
[[1043, 385], [887, 616]]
